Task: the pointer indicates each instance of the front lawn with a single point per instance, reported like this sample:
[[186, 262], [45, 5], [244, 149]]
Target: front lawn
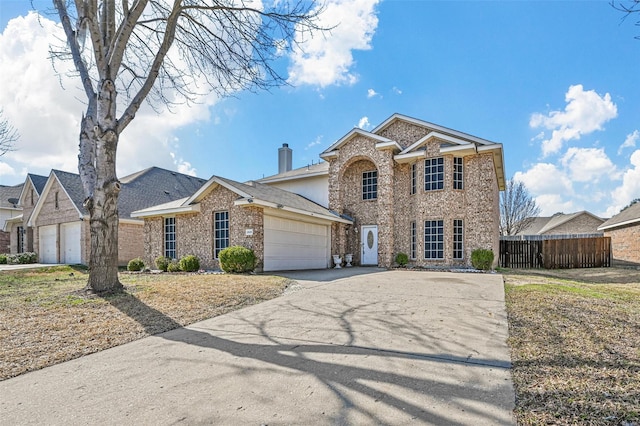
[[575, 342], [47, 318]]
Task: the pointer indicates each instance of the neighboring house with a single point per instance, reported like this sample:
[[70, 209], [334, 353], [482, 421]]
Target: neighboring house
[[285, 230], [9, 196], [21, 235], [624, 230], [60, 222], [571, 224]]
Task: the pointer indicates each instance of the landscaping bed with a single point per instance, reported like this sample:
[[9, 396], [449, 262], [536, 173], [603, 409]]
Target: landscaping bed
[[46, 317], [575, 342]]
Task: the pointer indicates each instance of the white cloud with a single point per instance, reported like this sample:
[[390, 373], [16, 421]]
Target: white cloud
[[364, 123], [588, 164], [629, 189], [371, 93], [586, 112], [327, 59], [318, 141], [551, 204], [46, 109], [545, 178], [6, 170], [630, 141], [396, 91], [183, 166]]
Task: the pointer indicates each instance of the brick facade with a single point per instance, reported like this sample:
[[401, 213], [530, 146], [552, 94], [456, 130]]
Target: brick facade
[[477, 204], [29, 199], [625, 243], [194, 231]]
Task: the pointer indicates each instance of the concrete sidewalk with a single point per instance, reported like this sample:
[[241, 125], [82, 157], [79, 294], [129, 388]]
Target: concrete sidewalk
[[376, 347]]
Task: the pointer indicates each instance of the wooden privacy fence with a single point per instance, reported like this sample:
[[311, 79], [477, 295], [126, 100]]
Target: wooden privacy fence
[[556, 253]]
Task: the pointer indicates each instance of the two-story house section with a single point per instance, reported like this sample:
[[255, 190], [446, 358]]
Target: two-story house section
[[414, 187]]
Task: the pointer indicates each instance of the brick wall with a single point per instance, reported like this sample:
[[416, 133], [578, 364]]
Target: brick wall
[[583, 224], [625, 243], [29, 194], [194, 231], [130, 242]]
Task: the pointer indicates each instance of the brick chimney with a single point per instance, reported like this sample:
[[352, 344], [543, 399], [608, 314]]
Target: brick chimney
[[284, 158]]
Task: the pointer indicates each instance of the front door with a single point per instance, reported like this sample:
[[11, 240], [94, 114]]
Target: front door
[[369, 245]]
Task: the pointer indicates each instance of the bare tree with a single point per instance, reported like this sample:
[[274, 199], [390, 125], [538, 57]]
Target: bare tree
[[8, 135], [162, 51], [517, 208]]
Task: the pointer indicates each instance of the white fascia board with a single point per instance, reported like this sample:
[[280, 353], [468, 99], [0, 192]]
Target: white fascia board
[[437, 135], [268, 204], [463, 150], [131, 221], [617, 225], [191, 208], [329, 155], [433, 126], [204, 189], [409, 157], [348, 136], [391, 145]]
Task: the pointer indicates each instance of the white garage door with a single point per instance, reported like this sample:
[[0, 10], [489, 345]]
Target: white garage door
[[70, 243], [48, 236], [291, 244]]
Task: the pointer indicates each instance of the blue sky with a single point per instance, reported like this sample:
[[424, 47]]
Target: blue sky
[[553, 81]]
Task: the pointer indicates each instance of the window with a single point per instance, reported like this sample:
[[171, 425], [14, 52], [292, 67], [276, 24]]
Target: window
[[370, 185], [220, 232], [434, 239], [413, 178], [20, 239], [458, 175], [56, 200], [433, 174], [458, 237], [414, 241], [170, 237], [31, 195]]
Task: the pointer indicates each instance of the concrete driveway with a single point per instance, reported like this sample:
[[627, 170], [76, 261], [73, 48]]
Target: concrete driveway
[[358, 346]]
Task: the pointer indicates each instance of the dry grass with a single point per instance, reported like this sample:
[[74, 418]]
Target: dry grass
[[46, 318], [575, 341]]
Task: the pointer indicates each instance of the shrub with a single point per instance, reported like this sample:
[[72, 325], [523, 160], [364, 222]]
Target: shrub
[[402, 259], [136, 264], [189, 263], [237, 259], [3, 259], [173, 266], [22, 258], [482, 259], [162, 263]]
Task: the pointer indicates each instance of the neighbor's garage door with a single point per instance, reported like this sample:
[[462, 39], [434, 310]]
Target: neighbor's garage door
[[48, 236], [291, 244], [70, 243]]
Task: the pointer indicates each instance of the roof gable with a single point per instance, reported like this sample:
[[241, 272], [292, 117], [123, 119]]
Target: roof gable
[[357, 132], [10, 193], [628, 216], [540, 225]]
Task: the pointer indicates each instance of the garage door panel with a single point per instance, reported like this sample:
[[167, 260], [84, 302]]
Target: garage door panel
[[48, 236], [70, 243], [292, 244]]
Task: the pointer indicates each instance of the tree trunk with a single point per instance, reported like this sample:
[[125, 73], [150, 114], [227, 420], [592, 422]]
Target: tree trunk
[[97, 165]]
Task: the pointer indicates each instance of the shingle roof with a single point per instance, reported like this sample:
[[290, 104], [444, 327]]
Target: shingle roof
[[38, 182], [321, 168], [627, 216], [540, 225], [140, 190], [9, 192]]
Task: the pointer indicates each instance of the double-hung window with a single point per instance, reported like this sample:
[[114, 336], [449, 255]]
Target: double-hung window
[[434, 174], [220, 232], [434, 239], [370, 185], [458, 238], [458, 173], [170, 237], [413, 252], [414, 177]]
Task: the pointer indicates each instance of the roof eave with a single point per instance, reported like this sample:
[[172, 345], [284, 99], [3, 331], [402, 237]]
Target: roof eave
[[619, 224], [192, 208], [268, 204]]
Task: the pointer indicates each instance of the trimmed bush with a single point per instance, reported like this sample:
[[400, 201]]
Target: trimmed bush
[[135, 265], [162, 263], [482, 259], [189, 263], [237, 260], [22, 258], [3, 259], [173, 266], [402, 259]]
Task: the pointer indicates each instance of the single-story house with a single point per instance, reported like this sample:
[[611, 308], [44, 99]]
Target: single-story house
[[407, 186], [60, 223], [576, 224], [285, 230], [21, 235], [624, 230]]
